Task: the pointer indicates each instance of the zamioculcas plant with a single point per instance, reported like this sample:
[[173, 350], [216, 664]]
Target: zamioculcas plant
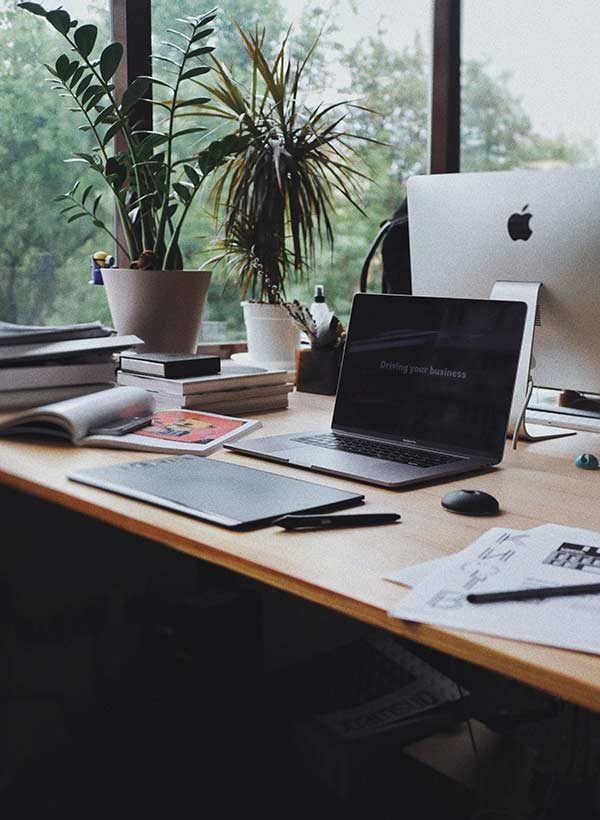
[[152, 187]]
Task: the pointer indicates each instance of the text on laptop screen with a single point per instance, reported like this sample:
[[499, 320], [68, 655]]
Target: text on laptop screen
[[434, 371]]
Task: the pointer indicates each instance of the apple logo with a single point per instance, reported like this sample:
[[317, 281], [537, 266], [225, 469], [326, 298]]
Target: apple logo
[[518, 225]]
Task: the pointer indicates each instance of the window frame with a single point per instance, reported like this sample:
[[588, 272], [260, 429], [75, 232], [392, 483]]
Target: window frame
[[132, 26]]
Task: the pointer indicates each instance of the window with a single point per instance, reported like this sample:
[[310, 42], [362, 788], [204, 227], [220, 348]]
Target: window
[[530, 96], [44, 262], [378, 59]]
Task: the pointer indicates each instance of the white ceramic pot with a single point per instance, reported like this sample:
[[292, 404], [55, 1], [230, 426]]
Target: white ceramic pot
[[164, 308], [271, 333]]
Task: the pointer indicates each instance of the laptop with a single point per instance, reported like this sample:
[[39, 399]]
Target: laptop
[[424, 392]]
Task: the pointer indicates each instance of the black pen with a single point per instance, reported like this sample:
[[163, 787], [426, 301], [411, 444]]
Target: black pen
[[529, 594], [297, 522]]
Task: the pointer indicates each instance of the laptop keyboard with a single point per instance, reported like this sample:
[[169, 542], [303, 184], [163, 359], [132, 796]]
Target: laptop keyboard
[[375, 449]]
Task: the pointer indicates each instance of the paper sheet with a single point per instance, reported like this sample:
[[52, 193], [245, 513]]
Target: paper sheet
[[504, 559]]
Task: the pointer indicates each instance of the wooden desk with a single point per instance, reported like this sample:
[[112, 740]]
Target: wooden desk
[[343, 570]]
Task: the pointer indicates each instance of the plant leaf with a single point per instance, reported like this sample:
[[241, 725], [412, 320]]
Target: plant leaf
[[156, 81], [84, 84], [88, 158], [173, 45], [182, 191], [90, 92], [165, 60], [62, 66], [34, 8], [192, 175], [106, 115], [85, 194], [197, 130], [195, 72], [94, 101], [76, 216], [202, 34], [77, 75], [112, 131], [117, 170], [110, 59], [195, 101], [197, 52], [85, 39], [60, 20], [133, 93]]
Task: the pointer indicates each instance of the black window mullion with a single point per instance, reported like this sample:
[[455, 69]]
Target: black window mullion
[[444, 138], [131, 25]]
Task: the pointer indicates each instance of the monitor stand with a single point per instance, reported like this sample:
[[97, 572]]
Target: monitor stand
[[527, 292]]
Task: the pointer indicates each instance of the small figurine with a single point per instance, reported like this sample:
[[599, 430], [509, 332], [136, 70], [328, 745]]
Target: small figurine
[[100, 259], [586, 461]]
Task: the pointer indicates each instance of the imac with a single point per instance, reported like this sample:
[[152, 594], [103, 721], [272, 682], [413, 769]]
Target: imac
[[469, 231]]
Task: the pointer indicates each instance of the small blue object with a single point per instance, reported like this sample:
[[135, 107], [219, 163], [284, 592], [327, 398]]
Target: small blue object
[[100, 260], [586, 461]]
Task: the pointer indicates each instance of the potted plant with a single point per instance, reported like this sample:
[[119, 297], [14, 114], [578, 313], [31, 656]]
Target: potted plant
[[277, 175], [151, 186]]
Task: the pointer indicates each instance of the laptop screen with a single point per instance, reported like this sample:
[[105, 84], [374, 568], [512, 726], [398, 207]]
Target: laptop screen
[[438, 372]]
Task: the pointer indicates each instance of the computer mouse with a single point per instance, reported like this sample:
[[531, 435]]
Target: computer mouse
[[470, 502]]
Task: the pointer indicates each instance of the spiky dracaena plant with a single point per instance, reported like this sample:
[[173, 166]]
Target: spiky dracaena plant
[[278, 173], [152, 187]]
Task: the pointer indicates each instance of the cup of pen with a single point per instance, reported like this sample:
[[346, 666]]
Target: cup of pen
[[318, 362], [317, 371]]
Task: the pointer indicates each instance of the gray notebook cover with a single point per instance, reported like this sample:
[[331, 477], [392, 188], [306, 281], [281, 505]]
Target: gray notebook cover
[[217, 491]]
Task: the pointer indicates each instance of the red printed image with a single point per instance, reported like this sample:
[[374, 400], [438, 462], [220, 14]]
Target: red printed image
[[179, 425]]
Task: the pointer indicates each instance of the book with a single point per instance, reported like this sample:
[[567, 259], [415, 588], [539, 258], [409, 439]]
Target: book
[[68, 348], [17, 377], [27, 334], [37, 396], [171, 365], [168, 431], [231, 376], [242, 408], [239, 404], [233, 396]]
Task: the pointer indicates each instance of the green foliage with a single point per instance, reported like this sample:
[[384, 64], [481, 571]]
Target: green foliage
[[152, 192], [497, 134], [278, 173], [43, 261], [35, 249]]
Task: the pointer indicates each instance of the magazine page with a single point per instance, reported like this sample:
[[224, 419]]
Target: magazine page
[[179, 431], [74, 418]]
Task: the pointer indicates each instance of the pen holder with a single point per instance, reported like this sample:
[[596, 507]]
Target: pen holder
[[317, 370]]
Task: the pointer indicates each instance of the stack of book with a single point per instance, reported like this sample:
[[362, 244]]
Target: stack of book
[[231, 389], [41, 365]]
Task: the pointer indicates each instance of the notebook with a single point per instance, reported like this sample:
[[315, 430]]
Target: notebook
[[217, 491]]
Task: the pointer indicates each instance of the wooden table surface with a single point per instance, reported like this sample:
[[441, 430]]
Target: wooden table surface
[[344, 570]]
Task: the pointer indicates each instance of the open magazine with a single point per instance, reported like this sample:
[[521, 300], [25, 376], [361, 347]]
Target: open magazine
[[98, 419]]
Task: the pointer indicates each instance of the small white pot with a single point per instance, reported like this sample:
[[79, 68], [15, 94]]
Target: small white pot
[[164, 308], [271, 333]]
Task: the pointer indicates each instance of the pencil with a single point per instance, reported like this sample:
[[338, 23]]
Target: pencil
[[529, 594]]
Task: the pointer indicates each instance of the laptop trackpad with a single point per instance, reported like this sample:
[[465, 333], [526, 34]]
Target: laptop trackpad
[[308, 456], [350, 464]]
